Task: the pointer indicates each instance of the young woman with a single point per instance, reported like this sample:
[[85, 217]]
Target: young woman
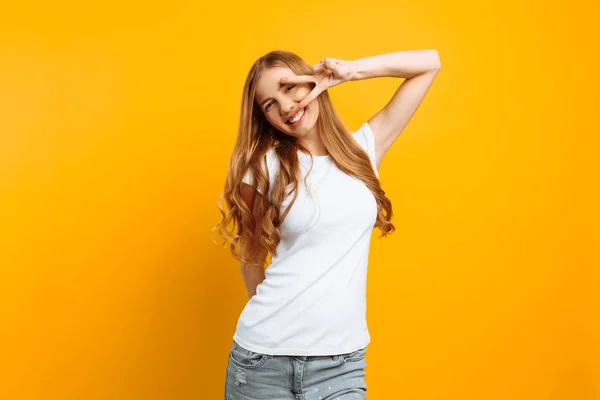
[[305, 190]]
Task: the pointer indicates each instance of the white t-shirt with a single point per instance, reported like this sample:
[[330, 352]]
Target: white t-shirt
[[313, 299]]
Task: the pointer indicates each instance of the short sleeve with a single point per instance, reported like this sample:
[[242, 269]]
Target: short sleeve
[[366, 140], [271, 172], [249, 179]]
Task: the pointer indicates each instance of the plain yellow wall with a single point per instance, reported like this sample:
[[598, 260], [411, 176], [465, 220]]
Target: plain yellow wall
[[117, 122]]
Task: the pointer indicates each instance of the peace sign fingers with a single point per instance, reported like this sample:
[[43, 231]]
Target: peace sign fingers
[[321, 80], [298, 79], [317, 90]]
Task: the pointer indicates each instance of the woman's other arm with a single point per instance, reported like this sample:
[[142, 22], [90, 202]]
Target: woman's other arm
[[419, 68], [253, 273]]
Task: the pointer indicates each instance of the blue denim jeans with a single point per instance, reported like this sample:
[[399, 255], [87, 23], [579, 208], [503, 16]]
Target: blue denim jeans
[[258, 376]]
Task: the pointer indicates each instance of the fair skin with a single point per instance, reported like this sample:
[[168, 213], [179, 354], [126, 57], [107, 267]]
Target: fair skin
[[279, 102], [253, 273], [285, 94]]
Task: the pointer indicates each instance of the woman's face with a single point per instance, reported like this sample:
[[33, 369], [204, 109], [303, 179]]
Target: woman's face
[[279, 102]]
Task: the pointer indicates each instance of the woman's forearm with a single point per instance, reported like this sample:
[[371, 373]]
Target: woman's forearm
[[252, 275], [403, 64]]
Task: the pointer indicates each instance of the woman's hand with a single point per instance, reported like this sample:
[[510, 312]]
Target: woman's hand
[[328, 73]]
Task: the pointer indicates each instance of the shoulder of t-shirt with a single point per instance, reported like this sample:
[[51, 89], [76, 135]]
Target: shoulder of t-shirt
[[272, 167], [365, 138]]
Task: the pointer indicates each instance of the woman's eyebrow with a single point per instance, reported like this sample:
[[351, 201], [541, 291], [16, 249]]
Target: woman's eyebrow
[[269, 98]]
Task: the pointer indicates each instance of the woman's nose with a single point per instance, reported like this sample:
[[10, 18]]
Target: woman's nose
[[287, 106]]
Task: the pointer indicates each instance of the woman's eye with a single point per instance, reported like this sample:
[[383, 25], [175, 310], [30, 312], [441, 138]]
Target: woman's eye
[[268, 106], [290, 87]]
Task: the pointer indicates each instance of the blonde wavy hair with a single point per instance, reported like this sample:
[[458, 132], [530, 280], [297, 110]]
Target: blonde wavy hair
[[255, 218]]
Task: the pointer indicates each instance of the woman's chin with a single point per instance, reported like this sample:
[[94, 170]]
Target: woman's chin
[[299, 132]]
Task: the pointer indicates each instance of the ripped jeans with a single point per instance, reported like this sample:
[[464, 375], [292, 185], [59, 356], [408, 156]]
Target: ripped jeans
[[259, 376]]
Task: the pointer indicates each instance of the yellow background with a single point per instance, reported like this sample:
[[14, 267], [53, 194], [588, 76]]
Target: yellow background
[[117, 122]]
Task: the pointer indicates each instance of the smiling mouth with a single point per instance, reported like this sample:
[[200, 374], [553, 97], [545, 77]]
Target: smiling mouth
[[296, 117]]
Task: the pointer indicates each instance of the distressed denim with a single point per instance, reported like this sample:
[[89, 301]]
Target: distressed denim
[[257, 376]]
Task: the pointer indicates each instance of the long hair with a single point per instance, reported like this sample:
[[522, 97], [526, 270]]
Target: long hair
[[255, 230]]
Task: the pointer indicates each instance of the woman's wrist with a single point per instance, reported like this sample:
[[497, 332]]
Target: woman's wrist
[[357, 70]]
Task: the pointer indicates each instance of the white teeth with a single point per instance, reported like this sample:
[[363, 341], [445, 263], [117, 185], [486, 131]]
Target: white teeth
[[297, 117]]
